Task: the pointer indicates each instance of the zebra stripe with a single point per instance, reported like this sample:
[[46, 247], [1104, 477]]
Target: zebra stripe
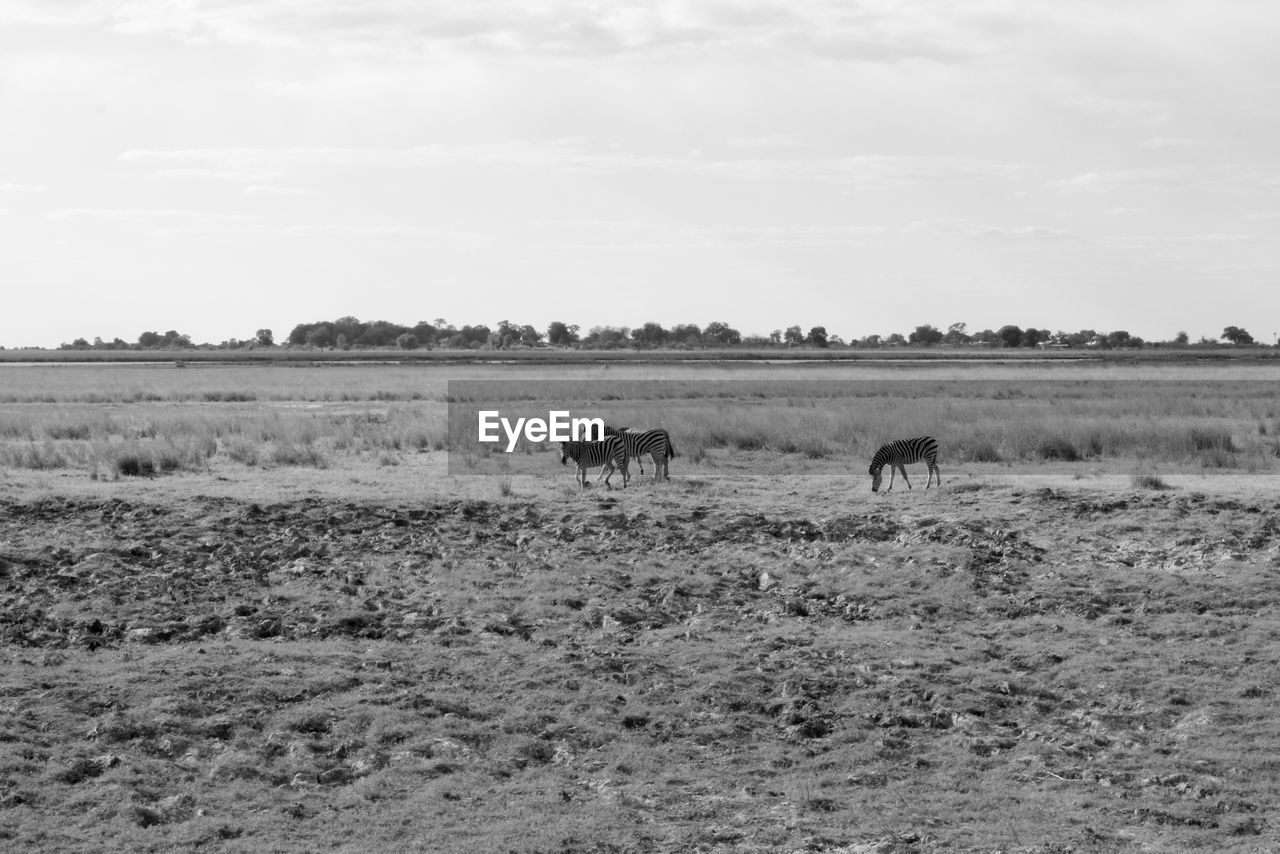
[[609, 454], [901, 453], [656, 443]]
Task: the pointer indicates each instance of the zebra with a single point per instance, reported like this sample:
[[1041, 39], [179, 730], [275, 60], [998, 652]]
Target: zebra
[[902, 453], [656, 443], [609, 454]]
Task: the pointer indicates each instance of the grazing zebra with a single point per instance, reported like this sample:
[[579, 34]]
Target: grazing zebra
[[609, 454], [902, 453], [656, 443]]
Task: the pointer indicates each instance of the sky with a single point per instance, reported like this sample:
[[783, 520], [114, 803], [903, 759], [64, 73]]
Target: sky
[[217, 167]]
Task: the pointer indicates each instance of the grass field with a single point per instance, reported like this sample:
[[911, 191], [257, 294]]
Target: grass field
[[316, 624]]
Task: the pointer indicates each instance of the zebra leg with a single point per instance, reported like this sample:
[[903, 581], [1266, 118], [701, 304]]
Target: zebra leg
[[903, 469], [657, 461]]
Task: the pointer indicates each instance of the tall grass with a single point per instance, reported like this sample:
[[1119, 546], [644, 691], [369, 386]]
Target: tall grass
[[295, 416]]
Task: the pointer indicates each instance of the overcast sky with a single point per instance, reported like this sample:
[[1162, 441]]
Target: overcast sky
[[218, 166]]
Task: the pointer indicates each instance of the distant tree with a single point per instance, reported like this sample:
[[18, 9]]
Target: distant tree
[[606, 337], [835, 341], [986, 336], [1010, 336], [379, 333], [407, 341], [926, 335], [298, 335], [895, 339], [1032, 336], [650, 335], [343, 341], [793, 336], [686, 335], [265, 338], [425, 333], [1118, 338], [474, 337], [150, 339], [1079, 339], [1181, 339], [349, 326], [817, 337], [1236, 335], [956, 334], [721, 334], [561, 335], [775, 337], [870, 341], [507, 333], [529, 336], [320, 335]]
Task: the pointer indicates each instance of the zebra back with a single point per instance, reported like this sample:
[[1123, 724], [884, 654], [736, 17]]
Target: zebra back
[[591, 454], [905, 452], [656, 441]]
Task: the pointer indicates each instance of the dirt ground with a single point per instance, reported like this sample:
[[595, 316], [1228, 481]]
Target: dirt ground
[[391, 659]]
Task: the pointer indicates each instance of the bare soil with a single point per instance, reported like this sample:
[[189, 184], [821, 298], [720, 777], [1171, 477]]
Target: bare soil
[[693, 666]]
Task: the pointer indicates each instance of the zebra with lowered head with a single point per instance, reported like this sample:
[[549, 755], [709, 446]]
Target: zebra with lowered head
[[655, 443], [902, 453], [610, 454]]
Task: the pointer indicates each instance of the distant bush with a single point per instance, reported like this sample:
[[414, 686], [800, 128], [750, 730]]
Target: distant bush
[[1148, 480], [983, 452], [1217, 459], [810, 446], [31, 455], [229, 396], [242, 450], [1057, 448], [133, 463], [68, 431], [296, 454], [1206, 439], [1093, 447]]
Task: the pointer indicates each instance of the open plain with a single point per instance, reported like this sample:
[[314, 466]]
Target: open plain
[[294, 608]]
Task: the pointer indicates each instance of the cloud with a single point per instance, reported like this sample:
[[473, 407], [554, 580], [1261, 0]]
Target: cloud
[[133, 217], [776, 142], [984, 231], [1227, 178], [269, 190], [173, 223], [869, 31], [571, 154], [1163, 142]]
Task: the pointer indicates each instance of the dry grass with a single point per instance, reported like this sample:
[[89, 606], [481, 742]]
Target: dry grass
[[766, 670], [298, 416]]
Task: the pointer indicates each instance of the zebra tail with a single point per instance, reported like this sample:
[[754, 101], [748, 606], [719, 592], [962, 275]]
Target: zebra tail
[[671, 449]]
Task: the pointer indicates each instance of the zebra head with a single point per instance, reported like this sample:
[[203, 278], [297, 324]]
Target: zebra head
[[877, 475], [564, 452]]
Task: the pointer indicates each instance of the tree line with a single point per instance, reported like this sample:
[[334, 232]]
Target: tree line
[[349, 332]]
